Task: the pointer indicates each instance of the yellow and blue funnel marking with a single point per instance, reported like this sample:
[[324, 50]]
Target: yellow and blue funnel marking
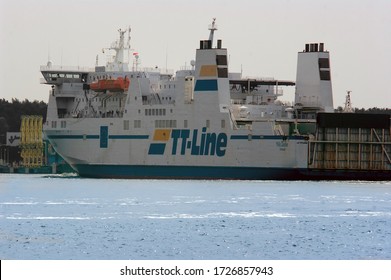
[[206, 85], [208, 71]]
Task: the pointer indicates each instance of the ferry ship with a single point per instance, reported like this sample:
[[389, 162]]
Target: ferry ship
[[205, 122]]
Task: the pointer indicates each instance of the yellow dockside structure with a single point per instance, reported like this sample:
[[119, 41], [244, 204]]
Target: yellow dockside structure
[[31, 141]]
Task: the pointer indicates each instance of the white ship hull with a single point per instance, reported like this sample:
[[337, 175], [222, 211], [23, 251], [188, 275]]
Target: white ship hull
[[204, 153]]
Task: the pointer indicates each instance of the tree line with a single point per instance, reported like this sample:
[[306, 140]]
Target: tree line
[[373, 110], [11, 113]]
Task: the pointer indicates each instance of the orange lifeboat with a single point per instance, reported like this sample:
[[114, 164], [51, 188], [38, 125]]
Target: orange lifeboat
[[113, 85]]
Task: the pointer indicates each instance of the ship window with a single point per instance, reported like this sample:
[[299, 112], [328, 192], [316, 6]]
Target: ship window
[[165, 123], [325, 75], [222, 72], [137, 123], [54, 124], [221, 60], [324, 63], [222, 123], [164, 112], [207, 123], [185, 123], [126, 124]]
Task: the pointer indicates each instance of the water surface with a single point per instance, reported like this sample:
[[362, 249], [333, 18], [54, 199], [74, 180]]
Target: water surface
[[67, 217]]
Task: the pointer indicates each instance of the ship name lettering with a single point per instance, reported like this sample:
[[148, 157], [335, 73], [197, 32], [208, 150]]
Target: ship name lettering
[[198, 144]]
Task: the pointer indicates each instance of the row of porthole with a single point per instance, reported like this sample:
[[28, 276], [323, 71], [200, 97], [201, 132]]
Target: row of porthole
[[155, 112]]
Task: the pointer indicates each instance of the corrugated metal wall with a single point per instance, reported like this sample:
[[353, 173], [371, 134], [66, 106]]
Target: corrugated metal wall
[[351, 148]]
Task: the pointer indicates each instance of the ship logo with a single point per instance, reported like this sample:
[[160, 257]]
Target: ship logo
[[160, 139], [186, 141]]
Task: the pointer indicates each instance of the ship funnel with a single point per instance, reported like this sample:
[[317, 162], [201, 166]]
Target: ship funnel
[[313, 79], [211, 74]]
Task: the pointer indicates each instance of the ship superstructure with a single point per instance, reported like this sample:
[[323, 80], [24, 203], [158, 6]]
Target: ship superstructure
[[203, 122]]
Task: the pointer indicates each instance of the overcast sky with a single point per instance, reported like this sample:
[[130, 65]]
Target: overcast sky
[[262, 37]]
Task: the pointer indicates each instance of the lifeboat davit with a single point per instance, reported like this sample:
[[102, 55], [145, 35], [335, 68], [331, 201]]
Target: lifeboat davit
[[114, 85]]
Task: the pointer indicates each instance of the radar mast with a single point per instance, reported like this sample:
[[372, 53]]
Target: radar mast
[[212, 29], [119, 62]]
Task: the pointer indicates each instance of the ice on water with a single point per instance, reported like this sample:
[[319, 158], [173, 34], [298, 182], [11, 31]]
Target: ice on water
[[67, 217]]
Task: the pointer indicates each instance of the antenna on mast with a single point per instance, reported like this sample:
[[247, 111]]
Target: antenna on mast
[[49, 63], [212, 29], [128, 43]]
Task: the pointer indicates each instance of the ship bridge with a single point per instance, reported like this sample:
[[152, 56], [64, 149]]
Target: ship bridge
[[57, 75]]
